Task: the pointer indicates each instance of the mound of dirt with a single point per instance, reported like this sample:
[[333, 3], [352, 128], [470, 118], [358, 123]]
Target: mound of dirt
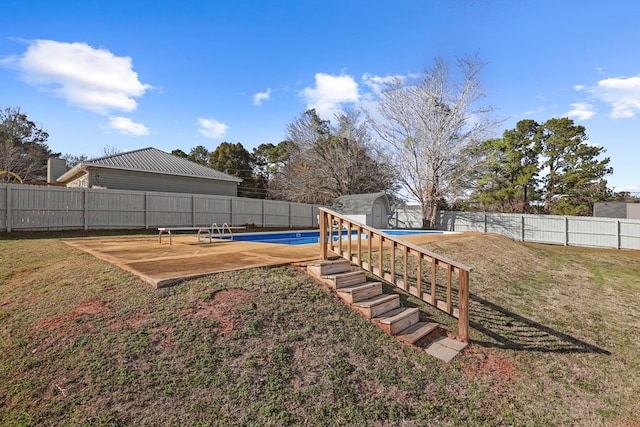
[[490, 255]]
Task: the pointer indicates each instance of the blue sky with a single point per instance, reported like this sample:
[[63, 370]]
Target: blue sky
[[178, 74]]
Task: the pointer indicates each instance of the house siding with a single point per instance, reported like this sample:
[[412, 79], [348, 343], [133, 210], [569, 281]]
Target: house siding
[[145, 181]]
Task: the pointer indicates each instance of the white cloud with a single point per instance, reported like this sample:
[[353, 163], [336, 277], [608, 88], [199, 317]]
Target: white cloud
[[581, 111], [578, 87], [261, 96], [126, 126], [212, 128], [89, 78], [534, 112], [622, 93], [330, 93], [377, 83]]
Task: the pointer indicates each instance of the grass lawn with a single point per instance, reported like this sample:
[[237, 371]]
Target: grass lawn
[[553, 330]]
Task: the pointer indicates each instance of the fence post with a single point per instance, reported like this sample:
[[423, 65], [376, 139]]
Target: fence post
[[9, 209], [566, 231], [618, 228], [485, 222], [193, 210], [231, 211], [146, 209], [85, 201]]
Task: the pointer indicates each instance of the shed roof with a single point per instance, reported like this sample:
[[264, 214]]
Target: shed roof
[[358, 203], [150, 160]]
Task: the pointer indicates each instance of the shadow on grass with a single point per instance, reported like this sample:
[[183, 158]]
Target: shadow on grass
[[508, 330], [514, 332]]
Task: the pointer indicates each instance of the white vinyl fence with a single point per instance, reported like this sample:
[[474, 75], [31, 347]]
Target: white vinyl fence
[[559, 230], [29, 207]]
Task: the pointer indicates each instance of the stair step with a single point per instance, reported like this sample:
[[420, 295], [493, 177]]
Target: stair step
[[355, 293], [350, 278], [415, 332], [324, 268], [375, 306], [398, 319]]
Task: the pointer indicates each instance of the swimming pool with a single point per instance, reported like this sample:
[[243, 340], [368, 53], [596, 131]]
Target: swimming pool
[[311, 236]]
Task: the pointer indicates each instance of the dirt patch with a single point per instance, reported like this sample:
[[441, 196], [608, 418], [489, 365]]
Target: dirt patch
[[500, 370], [91, 308], [134, 321], [222, 307]]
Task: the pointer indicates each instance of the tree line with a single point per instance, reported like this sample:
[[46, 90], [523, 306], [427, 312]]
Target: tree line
[[427, 139]]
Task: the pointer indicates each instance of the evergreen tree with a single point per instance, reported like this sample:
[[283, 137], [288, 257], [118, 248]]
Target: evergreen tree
[[508, 179], [574, 177], [235, 160], [548, 167]]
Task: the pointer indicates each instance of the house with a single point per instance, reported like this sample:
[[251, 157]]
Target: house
[[149, 169], [371, 209]]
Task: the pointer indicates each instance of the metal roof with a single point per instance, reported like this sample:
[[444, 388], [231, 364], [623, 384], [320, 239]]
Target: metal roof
[[359, 203], [151, 160]]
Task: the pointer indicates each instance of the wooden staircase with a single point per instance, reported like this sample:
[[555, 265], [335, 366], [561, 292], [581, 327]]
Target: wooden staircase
[[367, 298]]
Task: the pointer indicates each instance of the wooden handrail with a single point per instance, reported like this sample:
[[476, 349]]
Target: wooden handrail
[[330, 220]]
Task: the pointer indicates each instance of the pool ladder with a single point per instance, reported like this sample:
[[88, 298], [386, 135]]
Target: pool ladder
[[219, 230]]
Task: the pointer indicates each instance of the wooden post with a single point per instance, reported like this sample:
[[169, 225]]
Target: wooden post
[[323, 235], [406, 271], [380, 252], [340, 236], [419, 277], [369, 249], [330, 219], [393, 263], [349, 240], [359, 248], [449, 271], [463, 305], [434, 266]]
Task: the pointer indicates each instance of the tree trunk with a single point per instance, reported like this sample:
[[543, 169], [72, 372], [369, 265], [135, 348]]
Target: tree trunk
[[429, 215]]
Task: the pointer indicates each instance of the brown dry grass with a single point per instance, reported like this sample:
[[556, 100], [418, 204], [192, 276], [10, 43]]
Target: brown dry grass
[[84, 343]]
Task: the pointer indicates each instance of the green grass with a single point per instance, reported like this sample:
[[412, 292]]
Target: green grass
[[82, 342]]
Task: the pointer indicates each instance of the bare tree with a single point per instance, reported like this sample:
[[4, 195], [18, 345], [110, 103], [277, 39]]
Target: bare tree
[[110, 150], [426, 125], [327, 161]]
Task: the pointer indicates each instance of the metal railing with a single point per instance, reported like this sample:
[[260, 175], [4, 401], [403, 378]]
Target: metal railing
[[400, 263]]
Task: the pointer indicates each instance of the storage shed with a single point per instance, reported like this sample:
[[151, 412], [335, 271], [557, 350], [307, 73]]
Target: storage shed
[[150, 169], [371, 209], [617, 210]]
